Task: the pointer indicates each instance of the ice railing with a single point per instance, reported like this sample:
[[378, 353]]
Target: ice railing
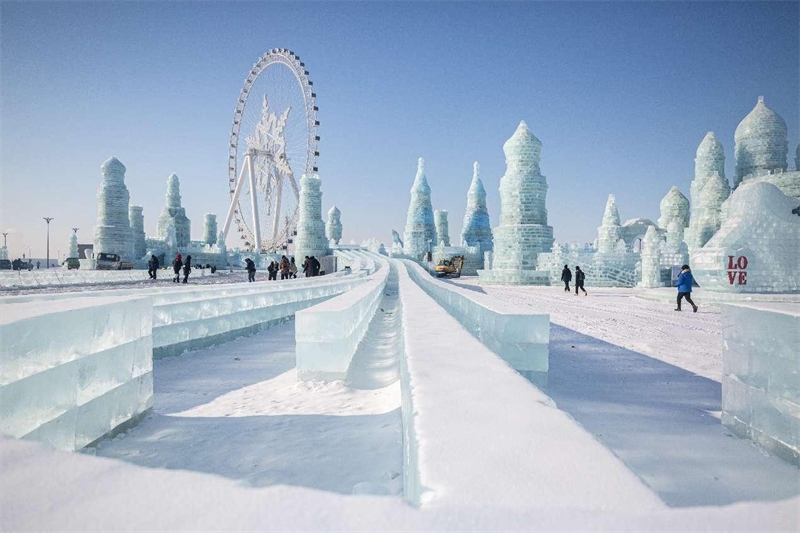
[[74, 371], [358, 260], [451, 385], [327, 334], [191, 321], [54, 277], [519, 336]]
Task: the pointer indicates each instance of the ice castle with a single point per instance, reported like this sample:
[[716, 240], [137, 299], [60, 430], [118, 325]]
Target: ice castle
[[420, 233], [523, 232]]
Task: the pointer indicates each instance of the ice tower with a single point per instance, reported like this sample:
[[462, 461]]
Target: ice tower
[[760, 144], [674, 206], [210, 229], [137, 227], [310, 238], [112, 234], [523, 232], [442, 227], [333, 228], [477, 230], [420, 228], [174, 214], [708, 191], [73, 245], [651, 263], [608, 234]]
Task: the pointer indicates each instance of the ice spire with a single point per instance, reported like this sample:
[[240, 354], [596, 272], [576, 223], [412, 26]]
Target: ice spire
[[708, 190], [174, 214], [136, 217], [477, 229], [333, 228], [420, 228], [651, 259], [210, 229], [609, 231]]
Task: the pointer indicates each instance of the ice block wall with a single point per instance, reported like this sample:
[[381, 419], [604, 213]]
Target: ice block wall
[[761, 375], [211, 317], [520, 337], [75, 370], [327, 334]]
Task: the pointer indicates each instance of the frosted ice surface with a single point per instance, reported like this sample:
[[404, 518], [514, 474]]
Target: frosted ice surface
[[761, 381], [420, 227], [755, 249], [74, 370]]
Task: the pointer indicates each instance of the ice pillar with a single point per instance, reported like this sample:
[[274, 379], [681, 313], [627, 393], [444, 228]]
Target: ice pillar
[[210, 229], [442, 227], [174, 214], [310, 227], [137, 227], [112, 234], [708, 191], [610, 230], [523, 232], [651, 260]]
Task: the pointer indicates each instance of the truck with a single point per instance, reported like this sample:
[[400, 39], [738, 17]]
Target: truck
[[450, 268], [107, 261]]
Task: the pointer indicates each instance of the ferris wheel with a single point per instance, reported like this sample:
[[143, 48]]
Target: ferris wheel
[[273, 142]]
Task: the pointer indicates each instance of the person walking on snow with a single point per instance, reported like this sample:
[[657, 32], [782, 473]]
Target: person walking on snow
[[284, 266], [579, 278], [566, 277], [306, 268], [292, 268], [685, 281], [187, 267], [176, 267], [251, 270], [153, 267], [272, 271]]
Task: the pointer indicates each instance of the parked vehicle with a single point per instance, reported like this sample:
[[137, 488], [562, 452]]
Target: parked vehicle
[[112, 262], [72, 263], [450, 267], [5, 264]]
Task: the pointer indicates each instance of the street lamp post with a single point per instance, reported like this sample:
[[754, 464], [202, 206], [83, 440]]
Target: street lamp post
[[48, 219], [4, 240]]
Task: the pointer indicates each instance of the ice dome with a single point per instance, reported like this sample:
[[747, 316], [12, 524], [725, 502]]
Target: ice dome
[[522, 149], [674, 206], [760, 143], [334, 211], [761, 227], [112, 167]]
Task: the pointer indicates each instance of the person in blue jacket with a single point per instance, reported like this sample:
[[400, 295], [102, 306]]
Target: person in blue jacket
[[685, 280]]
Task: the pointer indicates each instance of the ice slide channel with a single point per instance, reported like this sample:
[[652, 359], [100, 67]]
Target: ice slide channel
[[513, 332], [467, 415], [328, 334], [73, 371]]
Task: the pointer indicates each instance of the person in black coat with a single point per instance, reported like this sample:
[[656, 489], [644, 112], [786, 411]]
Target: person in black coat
[[314, 266], [272, 271], [251, 270], [176, 267], [579, 278], [187, 267], [306, 267], [153, 267], [566, 277]]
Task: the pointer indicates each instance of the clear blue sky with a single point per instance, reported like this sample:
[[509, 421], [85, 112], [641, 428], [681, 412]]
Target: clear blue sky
[[619, 93]]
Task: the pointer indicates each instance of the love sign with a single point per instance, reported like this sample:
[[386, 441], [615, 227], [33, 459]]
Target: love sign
[[737, 270]]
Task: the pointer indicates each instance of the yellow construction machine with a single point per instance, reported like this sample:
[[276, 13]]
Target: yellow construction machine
[[450, 268]]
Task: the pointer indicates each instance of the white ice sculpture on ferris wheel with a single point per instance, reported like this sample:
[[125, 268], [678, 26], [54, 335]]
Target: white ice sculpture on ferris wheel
[[271, 142]]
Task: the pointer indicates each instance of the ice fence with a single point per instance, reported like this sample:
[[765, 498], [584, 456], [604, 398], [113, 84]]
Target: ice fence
[[519, 336], [74, 371], [327, 334], [761, 375]]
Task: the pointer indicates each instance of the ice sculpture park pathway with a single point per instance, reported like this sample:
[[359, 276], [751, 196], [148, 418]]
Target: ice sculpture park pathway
[[238, 411], [644, 380]]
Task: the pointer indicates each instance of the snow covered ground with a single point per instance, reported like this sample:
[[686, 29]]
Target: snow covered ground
[[238, 411]]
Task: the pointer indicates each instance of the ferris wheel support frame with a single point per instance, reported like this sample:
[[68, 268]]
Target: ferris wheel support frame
[[247, 165]]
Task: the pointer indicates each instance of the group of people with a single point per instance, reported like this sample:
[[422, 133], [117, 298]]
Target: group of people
[[179, 264], [684, 284], [286, 267], [580, 277]]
